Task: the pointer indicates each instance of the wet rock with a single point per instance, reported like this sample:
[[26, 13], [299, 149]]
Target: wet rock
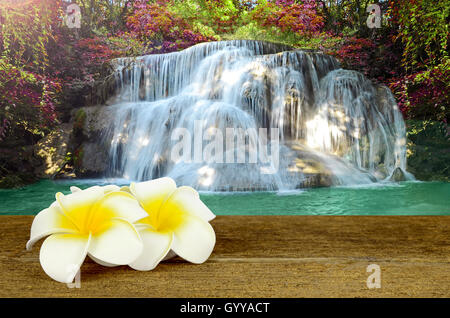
[[316, 181], [96, 119], [90, 156], [398, 175], [92, 160]]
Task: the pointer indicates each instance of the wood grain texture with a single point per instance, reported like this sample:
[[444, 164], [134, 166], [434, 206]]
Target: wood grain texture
[[261, 256]]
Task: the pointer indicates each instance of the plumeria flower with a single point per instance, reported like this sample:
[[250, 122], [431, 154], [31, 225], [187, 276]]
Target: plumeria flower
[[177, 222], [97, 222]]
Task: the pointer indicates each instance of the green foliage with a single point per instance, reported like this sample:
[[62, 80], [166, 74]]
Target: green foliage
[[162, 30], [28, 92], [298, 24], [212, 17], [428, 150], [252, 31], [428, 132], [25, 32], [103, 18], [26, 100], [348, 18], [423, 30], [322, 42]]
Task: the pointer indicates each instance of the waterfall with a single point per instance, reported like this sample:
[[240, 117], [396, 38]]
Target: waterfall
[[326, 125]]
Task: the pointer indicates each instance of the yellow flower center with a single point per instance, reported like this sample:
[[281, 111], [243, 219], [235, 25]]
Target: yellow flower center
[[87, 217], [167, 219]]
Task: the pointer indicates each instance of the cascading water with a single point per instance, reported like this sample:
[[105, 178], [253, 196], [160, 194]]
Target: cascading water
[[333, 124]]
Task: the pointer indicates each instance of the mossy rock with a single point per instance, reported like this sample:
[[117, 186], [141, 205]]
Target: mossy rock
[[398, 175], [79, 121], [78, 158]]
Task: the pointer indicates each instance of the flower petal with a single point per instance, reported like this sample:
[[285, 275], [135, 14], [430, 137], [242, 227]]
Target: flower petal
[[118, 242], [76, 206], [49, 221], [169, 255], [117, 204], [74, 189], [188, 200], [100, 262], [151, 194], [110, 188], [125, 189], [156, 247], [106, 189], [62, 255], [194, 239]]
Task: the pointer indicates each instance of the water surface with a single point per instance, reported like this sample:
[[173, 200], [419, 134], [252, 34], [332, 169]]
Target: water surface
[[404, 198]]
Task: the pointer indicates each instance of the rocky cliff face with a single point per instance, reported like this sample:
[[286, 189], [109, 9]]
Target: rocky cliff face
[[90, 155], [53, 150]]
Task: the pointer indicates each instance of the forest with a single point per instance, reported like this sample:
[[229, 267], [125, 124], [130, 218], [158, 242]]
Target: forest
[[54, 60]]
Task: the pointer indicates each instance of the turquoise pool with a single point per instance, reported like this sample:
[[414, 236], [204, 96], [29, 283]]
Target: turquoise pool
[[404, 198]]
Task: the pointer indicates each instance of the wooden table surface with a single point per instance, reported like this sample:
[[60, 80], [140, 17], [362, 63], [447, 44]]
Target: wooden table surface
[[261, 256]]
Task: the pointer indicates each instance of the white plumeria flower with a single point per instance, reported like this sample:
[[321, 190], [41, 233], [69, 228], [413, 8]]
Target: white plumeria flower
[[177, 221], [95, 222]]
